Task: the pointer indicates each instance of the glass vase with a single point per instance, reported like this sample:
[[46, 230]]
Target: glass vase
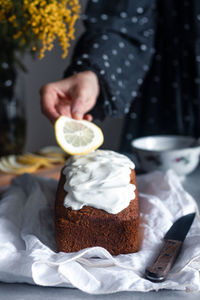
[[12, 110]]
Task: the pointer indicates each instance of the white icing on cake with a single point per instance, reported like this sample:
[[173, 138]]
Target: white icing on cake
[[100, 179]]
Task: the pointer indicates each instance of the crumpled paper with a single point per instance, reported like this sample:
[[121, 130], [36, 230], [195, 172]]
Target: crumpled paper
[[28, 248]]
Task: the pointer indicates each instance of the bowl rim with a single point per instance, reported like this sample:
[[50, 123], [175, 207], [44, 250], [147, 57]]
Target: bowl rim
[[165, 136]]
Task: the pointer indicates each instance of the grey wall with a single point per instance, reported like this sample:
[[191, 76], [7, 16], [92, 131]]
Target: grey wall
[[40, 131]]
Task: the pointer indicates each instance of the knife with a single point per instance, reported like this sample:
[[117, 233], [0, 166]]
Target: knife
[[173, 241]]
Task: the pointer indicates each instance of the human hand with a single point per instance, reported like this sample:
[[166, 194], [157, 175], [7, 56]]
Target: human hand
[[73, 96]]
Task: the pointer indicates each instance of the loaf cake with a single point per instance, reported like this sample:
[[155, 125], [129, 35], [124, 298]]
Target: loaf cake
[[97, 204]]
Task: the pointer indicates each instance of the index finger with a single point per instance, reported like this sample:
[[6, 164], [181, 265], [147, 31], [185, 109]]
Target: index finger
[[48, 107]]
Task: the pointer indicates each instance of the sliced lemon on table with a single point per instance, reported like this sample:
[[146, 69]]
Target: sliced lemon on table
[[29, 158], [49, 150], [77, 137], [53, 153], [30, 162], [9, 164]]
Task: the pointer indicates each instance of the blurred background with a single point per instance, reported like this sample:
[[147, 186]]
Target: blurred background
[[40, 131]]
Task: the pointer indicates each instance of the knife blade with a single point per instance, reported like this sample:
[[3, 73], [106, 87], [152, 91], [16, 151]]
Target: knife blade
[[173, 241]]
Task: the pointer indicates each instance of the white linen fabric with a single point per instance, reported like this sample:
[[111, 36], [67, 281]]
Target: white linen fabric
[[28, 248]]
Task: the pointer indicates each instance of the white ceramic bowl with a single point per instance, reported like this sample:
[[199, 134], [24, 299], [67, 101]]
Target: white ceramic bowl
[[163, 152]]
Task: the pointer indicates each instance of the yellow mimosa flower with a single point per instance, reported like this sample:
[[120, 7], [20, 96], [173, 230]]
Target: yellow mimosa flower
[[37, 24]]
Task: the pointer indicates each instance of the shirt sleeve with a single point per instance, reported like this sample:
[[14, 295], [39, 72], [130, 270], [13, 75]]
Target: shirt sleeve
[[118, 46]]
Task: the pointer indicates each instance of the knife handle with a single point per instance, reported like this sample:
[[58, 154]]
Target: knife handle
[[165, 260]]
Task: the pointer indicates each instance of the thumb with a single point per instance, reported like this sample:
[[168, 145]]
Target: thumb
[[79, 106]]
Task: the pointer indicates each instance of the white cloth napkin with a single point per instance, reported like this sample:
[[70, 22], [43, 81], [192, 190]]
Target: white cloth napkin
[[28, 249]]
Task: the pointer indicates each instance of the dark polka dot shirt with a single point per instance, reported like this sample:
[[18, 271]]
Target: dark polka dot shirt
[[146, 54]]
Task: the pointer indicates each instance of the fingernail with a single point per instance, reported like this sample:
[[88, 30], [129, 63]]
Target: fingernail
[[77, 116]]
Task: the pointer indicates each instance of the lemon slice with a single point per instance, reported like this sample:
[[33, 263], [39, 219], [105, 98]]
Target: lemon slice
[[48, 150], [77, 137], [4, 166], [10, 164], [29, 158], [53, 153]]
